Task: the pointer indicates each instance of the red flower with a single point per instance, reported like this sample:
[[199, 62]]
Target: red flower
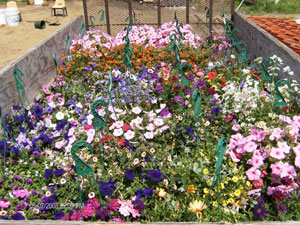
[[87, 127], [126, 127], [211, 91], [120, 142], [211, 75], [258, 183]]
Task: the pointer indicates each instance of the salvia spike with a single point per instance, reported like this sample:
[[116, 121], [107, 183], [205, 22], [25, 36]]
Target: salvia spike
[[101, 11], [264, 72], [98, 121], [279, 99], [92, 19]]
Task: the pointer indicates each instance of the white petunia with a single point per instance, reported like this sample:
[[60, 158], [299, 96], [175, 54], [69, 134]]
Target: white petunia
[[118, 132], [136, 110], [149, 135], [129, 135], [59, 115], [150, 127], [119, 124], [158, 122]]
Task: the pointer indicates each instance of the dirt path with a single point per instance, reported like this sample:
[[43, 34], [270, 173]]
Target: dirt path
[[16, 40]]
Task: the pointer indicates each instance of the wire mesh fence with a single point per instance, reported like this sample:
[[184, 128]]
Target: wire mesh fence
[[203, 15]]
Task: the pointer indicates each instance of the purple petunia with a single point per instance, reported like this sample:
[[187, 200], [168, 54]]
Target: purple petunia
[[58, 215], [155, 175], [129, 174], [159, 89], [259, 212], [17, 216], [164, 112], [48, 173], [138, 205], [59, 172]]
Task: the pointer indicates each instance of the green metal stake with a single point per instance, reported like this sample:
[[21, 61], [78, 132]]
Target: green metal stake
[[92, 19], [265, 73], [82, 30], [68, 44], [84, 170], [101, 11]]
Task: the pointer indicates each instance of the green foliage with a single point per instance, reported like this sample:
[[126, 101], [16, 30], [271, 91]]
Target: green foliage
[[269, 6]]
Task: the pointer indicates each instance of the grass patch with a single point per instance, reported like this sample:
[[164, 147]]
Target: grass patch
[[269, 6]]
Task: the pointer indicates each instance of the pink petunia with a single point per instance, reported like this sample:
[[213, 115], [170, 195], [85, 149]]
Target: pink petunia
[[250, 146], [288, 171], [284, 147], [4, 204], [297, 161], [296, 121], [277, 168], [253, 174], [46, 90], [256, 161], [297, 150], [277, 133], [277, 153]]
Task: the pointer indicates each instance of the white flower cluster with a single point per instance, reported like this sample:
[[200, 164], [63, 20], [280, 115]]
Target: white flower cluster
[[243, 99]]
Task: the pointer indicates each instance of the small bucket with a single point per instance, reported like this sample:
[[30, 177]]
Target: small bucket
[[12, 16], [2, 17], [40, 24]]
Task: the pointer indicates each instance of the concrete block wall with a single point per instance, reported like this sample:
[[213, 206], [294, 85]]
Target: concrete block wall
[[261, 43], [37, 65]]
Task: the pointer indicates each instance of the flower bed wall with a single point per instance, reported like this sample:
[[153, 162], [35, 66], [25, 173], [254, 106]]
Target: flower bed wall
[[37, 65], [261, 43]]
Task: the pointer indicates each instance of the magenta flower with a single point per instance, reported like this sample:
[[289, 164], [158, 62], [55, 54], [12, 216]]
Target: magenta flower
[[21, 193], [4, 204]]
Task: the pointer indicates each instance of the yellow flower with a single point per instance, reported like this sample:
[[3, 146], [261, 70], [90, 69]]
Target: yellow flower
[[205, 171], [191, 190], [235, 179], [197, 207], [237, 193], [248, 183], [162, 193], [230, 201], [206, 190]]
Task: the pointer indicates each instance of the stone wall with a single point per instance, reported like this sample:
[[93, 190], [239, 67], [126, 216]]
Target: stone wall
[[261, 43], [37, 65]]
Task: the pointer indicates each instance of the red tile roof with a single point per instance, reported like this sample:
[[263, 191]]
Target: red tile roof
[[285, 30]]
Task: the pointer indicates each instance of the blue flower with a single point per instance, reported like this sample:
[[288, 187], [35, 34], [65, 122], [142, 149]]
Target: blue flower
[[38, 111], [148, 192], [48, 203], [155, 175], [138, 205], [189, 131], [61, 125], [58, 215], [139, 194], [59, 172], [107, 188], [215, 110], [49, 109], [48, 173], [129, 174], [17, 216], [16, 107]]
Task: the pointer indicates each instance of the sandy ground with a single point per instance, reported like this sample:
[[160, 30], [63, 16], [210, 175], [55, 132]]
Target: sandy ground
[[16, 40]]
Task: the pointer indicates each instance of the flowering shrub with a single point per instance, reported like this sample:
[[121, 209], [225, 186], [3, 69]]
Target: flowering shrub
[[155, 158]]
